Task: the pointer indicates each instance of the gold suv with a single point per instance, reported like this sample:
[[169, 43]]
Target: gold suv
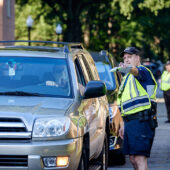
[[53, 109]]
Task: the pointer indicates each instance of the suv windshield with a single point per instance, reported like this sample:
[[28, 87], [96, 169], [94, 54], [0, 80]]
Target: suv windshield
[[34, 76], [106, 75]]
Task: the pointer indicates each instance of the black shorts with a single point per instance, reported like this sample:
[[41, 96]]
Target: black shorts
[[138, 138]]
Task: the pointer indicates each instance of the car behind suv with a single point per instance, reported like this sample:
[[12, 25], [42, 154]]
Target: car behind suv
[[104, 62], [53, 109], [155, 67]]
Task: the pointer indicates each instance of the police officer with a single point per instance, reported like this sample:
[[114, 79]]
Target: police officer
[[136, 98], [165, 86]]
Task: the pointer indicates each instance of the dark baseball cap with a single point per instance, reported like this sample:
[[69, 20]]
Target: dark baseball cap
[[130, 50]]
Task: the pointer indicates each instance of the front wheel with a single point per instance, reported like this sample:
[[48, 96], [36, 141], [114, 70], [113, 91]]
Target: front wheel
[[103, 157], [116, 157], [83, 165]]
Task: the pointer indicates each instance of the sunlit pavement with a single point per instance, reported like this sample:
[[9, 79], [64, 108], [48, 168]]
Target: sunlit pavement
[[160, 155]]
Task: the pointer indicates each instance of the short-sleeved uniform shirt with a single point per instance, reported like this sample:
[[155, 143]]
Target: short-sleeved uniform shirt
[[144, 77]]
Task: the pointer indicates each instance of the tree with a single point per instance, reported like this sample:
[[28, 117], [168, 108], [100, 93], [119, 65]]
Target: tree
[[101, 24], [43, 29]]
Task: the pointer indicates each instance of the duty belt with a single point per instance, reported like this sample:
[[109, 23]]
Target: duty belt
[[142, 116], [145, 115], [131, 117]]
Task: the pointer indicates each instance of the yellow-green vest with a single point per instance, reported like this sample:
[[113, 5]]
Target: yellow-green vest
[[132, 97], [165, 81]]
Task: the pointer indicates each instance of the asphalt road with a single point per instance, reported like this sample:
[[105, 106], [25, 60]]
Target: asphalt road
[[160, 154]]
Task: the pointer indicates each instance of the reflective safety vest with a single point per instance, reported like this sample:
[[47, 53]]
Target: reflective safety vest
[[132, 97], [165, 81]]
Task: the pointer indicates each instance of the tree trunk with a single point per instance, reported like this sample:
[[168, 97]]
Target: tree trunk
[[73, 32], [161, 53]]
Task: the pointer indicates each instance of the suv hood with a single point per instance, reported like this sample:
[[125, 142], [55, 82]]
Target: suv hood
[[29, 108], [34, 105]]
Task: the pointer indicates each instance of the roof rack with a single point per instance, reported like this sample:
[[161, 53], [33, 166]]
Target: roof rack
[[67, 45]]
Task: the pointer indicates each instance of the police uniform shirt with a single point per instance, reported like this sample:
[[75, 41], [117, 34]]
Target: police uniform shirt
[[144, 78]]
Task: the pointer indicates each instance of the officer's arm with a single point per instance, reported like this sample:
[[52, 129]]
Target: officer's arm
[[134, 71], [127, 69]]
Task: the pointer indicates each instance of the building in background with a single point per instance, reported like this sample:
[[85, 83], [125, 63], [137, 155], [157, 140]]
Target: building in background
[[7, 20]]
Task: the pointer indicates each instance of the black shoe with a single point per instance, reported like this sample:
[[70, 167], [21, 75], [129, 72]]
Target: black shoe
[[167, 121]]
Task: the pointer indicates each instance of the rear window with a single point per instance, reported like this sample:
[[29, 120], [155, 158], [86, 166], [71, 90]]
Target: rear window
[[43, 76]]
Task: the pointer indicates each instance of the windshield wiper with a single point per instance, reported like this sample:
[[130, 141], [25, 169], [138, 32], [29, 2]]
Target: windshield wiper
[[20, 93]]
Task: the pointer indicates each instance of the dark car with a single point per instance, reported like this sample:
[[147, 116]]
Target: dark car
[[104, 62], [155, 67]]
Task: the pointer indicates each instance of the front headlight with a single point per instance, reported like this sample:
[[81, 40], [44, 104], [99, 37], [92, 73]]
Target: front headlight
[[51, 127]]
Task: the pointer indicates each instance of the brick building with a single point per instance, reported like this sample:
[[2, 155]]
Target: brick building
[[7, 20]]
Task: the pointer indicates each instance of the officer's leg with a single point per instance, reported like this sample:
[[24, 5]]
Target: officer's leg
[[168, 105], [132, 160], [166, 97], [141, 162]]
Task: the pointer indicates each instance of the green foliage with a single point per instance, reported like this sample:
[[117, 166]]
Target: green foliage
[[155, 5], [103, 24], [126, 7], [43, 28]]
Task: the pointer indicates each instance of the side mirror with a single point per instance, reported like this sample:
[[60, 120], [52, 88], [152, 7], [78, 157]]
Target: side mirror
[[95, 89]]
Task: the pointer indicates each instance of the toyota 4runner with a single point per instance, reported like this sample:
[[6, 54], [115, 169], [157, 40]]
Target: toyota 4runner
[[53, 109]]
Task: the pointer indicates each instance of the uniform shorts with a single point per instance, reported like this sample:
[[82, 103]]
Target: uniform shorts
[[138, 138]]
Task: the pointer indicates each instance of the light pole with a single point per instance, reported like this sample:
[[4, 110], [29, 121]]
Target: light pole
[[58, 31], [29, 23]]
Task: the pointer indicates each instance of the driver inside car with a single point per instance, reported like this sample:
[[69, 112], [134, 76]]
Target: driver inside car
[[58, 78]]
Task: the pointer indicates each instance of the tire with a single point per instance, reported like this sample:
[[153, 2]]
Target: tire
[[116, 157], [83, 164], [103, 157]]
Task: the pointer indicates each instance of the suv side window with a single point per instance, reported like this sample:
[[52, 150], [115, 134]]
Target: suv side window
[[84, 69], [90, 64], [80, 76], [86, 64]]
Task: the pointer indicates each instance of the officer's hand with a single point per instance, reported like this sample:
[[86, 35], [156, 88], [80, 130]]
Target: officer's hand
[[124, 68], [121, 131]]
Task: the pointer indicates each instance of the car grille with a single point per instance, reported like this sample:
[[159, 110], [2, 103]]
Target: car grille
[[13, 128], [13, 160]]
